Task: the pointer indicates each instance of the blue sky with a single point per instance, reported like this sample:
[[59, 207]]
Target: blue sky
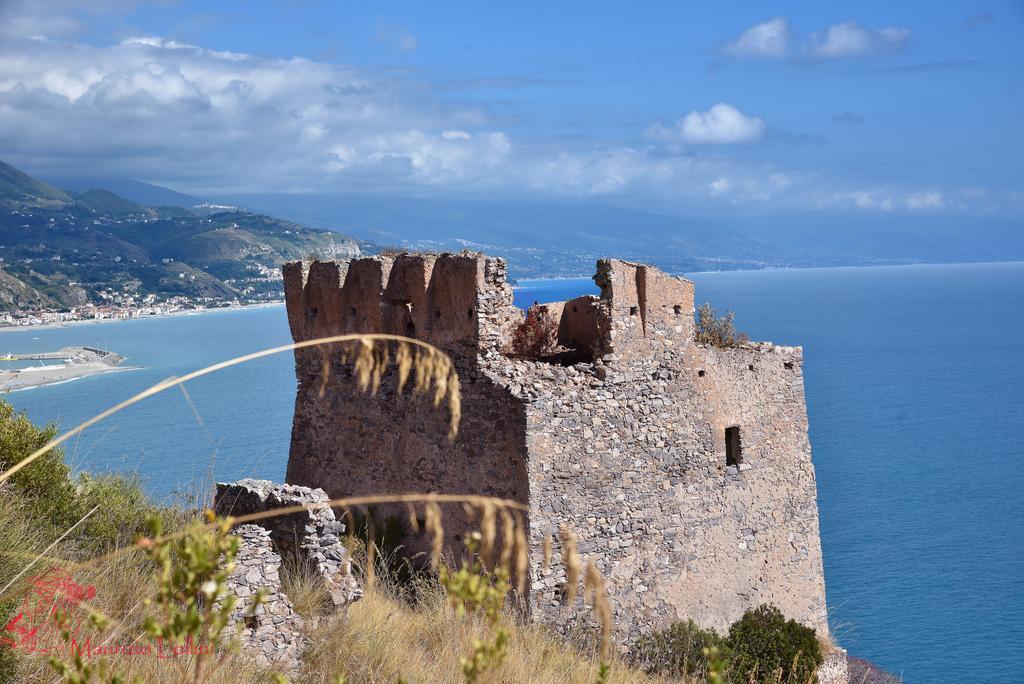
[[846, 107]]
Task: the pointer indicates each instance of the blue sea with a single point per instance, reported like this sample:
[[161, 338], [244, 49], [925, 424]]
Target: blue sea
[[915, 390]]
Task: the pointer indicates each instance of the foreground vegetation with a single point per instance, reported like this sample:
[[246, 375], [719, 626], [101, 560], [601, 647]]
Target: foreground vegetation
[[396, 632], [91, 560]]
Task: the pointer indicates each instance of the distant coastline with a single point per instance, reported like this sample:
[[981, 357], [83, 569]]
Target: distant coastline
[[97, 321], [527, 283], [521, 284]]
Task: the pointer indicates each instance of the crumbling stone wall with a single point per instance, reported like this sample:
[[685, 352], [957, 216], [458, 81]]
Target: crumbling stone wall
[[272, 633], [312, 536], [628, 449], [835, 669]]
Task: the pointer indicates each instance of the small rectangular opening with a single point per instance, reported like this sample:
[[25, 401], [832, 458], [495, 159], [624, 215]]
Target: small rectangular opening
[[733, 446]]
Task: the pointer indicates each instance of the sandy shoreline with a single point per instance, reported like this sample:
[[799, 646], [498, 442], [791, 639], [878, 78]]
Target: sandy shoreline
[[11, 381], [74, 363], [92, 321]]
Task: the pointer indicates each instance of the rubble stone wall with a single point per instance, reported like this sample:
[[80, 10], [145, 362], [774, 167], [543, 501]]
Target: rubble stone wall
[[312, 536], [271, 633], [636, 465], [629, 450]]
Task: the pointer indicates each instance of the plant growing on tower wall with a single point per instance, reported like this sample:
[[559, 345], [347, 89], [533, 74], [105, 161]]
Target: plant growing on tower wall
[[534, 338], [715, 330]]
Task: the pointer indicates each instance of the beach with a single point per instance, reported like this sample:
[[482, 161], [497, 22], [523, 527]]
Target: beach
[[76, 363]]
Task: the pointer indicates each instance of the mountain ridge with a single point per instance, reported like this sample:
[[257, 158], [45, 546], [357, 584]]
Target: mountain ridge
[[78, 248], [563, 238]]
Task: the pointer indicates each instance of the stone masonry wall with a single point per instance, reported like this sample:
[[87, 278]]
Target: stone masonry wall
[[352, 443], [272, 633], [628, 450], [636, 465], [312, 536]]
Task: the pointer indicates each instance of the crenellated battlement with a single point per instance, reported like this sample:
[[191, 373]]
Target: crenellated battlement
[[462, 303], [453, 301]]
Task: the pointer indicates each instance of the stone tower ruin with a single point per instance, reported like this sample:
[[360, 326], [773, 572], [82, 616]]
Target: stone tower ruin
[[684, 470]]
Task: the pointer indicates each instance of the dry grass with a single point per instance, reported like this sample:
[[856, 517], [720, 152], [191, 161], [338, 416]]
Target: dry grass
[[122, 584], [384, 637], [304, 586]]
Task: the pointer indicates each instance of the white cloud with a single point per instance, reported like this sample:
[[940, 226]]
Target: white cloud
[[212, 122], [850, 39], [151, 108], [719, 187], [774, 39], [892, 199], [758, 187], [156, 41], [215, 122], [926, 199], [722, 124], [768, 39]]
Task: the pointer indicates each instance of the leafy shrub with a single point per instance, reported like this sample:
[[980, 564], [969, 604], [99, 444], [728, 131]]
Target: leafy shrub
[[534, 338], [46, 482], [678, 650], [122, 513], [52, 497], [715, 330], [765, 646]]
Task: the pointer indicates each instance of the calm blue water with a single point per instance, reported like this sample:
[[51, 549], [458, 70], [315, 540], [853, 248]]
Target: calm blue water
[[915, 389], [241, 422]]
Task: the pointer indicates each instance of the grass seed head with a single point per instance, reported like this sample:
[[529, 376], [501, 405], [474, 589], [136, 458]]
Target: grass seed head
[[572, 563], [435, 529], [522, 553]]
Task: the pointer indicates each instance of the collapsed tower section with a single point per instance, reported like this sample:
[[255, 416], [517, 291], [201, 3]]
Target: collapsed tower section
[[684, 470]]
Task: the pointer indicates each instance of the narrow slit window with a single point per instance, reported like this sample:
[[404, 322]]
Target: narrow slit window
[[733, 446]]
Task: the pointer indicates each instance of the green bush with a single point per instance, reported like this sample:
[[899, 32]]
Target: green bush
[[677, 651], [715, 330], [54, 500], [122, 513], [764, 646], [46, 482]]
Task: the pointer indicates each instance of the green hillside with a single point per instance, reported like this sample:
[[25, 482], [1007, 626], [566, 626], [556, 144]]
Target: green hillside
[[63, 250], [20, 187]]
